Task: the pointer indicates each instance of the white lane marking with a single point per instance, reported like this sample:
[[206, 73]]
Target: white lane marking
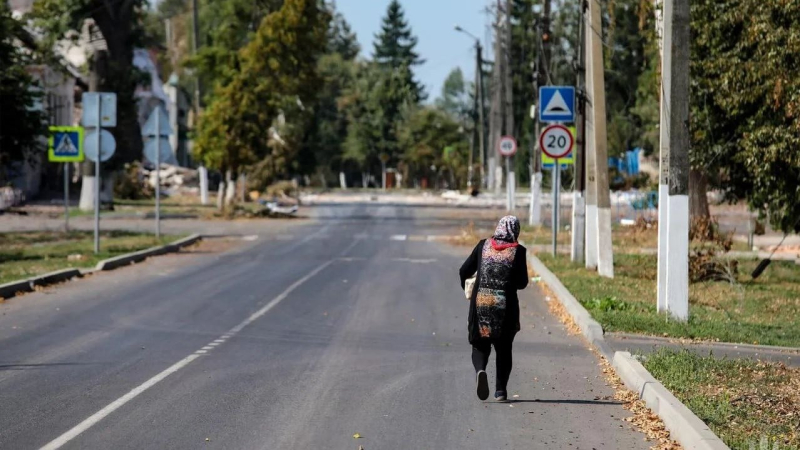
[[99, 415], [399, 237], [207, 347], [414, 261], [220, 341], [250, 238], [279, 298], [213, 344]]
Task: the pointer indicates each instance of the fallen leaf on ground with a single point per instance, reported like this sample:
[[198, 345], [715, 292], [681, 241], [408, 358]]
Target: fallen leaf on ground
[[356, 436]]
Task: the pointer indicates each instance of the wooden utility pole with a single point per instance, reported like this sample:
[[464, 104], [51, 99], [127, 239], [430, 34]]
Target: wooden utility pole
[[195, 48], [496, 106], [539, 79], [605, 255], [481, 108], [579, 196], [508, 107], [677, 44]]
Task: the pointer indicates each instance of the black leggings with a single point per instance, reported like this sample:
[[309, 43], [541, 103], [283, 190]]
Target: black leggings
[[480, 359]]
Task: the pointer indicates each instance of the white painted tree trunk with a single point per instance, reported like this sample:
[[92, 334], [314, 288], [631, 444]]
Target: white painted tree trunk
[[203, 174], [535, 213], [221, 195], [87, 193], [677, 290], [342, 181]]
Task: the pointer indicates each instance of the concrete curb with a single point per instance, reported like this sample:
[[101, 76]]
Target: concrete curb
[[590, 328], [11, 289], [133, 258], [683, 425]]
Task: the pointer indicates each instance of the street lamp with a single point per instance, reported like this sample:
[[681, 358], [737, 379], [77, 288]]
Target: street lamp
[[479, 97]]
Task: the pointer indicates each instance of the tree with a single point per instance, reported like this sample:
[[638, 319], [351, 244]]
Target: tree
[[455, 100], [277, 76], [435, 148], [21, 123], [341, 38], [226, 26], [121, 26], [746, 103], [394, 48]]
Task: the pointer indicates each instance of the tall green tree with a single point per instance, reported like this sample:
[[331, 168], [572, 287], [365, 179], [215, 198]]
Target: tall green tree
[[277, 77], [455, 98], [395, 48], [341, 38], [21, 122], [746, 103]]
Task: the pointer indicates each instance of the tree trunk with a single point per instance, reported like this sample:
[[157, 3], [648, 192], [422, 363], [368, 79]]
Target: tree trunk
[[698, 198]]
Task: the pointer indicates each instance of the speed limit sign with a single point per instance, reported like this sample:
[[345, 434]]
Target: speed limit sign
[[556, 141], [507, 146]]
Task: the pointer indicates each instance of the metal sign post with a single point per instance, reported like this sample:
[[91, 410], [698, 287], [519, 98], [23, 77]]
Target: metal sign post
[[65, 145], [97, 163], [99, 110], [507, 146], [556, 203], [158, 181], [556, 141], [157, 147]]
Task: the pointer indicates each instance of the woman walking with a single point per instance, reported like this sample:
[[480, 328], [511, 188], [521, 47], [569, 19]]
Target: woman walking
[[500, 267]]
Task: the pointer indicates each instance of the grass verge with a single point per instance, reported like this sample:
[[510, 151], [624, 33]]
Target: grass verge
[[765, 311], [27, 254], [748, 404]]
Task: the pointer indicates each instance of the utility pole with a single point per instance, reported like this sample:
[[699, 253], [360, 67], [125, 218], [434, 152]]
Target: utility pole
[[578, 197], [495, 109], [195, 47], [590, 161], [539, 79], [677, 45], [605, 255], [508, 108], [663, 176], [481, 111]]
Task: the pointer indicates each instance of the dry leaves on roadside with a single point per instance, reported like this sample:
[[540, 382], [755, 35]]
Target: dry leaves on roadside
[[644, 419]]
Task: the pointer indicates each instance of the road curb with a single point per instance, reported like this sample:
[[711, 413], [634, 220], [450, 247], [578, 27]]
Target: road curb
[[136, 257], [684, 426], [590, 328], [11, 289]]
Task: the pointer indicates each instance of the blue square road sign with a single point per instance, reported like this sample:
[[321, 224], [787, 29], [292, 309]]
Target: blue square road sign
[[65, 144], [557, 104]]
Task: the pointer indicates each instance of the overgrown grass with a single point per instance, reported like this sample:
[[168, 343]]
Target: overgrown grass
[[27, 254], [746, 403], [763, 311]]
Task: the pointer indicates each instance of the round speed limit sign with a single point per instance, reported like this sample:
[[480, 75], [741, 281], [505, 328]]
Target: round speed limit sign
[[507, 146], [556, 141]]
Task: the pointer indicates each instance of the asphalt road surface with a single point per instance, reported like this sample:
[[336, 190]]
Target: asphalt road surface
[[353, 323]]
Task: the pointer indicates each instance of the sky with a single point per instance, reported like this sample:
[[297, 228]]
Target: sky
[[433, 22]]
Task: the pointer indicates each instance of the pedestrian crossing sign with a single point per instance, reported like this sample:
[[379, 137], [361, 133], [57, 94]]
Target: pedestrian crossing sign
[[66, 144], [557, 104]]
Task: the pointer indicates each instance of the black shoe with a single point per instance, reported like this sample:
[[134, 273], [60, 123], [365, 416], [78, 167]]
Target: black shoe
[[500, 396], [483, 385]]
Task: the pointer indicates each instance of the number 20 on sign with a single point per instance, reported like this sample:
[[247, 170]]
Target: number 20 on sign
[[556, 141]]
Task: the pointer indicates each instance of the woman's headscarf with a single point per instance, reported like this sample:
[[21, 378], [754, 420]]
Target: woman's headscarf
[[507, 230]]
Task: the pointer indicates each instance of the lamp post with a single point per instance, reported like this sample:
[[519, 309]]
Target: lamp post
[[481, 102]]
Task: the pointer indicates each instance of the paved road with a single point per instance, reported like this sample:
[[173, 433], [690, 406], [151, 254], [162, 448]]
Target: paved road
[[352, 324]]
